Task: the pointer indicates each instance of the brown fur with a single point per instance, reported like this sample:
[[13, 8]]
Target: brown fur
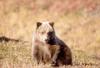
[[47, 48]]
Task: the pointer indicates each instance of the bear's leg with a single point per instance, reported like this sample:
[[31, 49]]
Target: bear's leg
[[55, 56]]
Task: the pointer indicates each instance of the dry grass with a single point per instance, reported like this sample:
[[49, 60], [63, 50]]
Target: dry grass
[[79, 29], [18, 55]]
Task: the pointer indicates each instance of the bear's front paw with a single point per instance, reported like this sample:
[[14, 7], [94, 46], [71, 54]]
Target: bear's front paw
[[55, 64]]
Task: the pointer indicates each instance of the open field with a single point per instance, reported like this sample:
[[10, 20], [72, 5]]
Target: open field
[[76, 23]]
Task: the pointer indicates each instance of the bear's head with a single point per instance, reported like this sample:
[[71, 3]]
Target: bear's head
[[45, 32]]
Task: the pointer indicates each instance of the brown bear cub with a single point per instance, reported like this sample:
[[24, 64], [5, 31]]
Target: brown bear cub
[[48, 48]]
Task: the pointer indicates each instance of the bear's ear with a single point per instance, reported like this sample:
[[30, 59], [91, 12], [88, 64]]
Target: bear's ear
[[51, 23], [38, 24]]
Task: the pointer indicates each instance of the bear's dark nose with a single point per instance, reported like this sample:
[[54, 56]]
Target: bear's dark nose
[[46, 40], [50, 33]]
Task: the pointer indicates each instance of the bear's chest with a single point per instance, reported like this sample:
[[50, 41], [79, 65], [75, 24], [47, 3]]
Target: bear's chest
[[46, 52]]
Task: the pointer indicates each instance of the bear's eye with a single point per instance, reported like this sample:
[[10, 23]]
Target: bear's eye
[[43, 32]]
